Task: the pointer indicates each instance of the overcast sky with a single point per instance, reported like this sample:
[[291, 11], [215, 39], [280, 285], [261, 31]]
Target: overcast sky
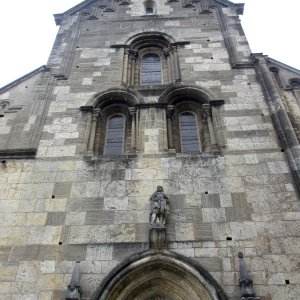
[[28, 31]]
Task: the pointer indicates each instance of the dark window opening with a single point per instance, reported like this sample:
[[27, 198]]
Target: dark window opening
[[115, 135], [150, 69], [188, 133], [149, 11]]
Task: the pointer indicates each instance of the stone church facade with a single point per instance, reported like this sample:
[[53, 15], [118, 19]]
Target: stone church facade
[[138, 95]]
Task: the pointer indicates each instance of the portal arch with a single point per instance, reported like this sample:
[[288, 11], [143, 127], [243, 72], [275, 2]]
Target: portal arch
[[160, 275]]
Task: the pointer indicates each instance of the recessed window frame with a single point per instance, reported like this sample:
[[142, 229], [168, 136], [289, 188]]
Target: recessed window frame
[[106, 134], [197, 130], [149, 4], [148, 53]]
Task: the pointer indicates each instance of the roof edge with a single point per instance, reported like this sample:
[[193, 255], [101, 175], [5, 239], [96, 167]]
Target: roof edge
[[58, 17], [40, 69], [278, 63], [239, 7]]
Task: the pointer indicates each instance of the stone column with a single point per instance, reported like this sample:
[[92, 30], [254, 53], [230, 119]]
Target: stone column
[[95, 117], [176, 65], [132, 112], [213, 140], [125, 66], [132, 58], [276, 106], [137, 130], [282, 123], [169, 64], [170, 110]]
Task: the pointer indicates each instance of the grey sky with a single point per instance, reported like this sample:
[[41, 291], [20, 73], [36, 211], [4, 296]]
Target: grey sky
[[28, 32]]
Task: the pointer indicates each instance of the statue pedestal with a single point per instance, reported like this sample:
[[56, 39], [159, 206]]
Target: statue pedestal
[[158, 237]]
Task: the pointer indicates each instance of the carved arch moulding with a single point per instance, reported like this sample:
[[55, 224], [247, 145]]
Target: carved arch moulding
[[159, 274], [157, 44]]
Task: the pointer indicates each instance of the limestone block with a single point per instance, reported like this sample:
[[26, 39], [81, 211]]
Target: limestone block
[[99, 252], [226, 200], [113, 189], [87, 81], [25, 297], [140, 174], [277, 279], [28, 271], [88, 234], [243, 231], [50, 282], [7, 273], [4, 287], [108, 265], [85, 189], [97, 74], [274, 228], [75, 218], [35, 219], [90, 267], [45, 235], [47, 266], [212, 215], [173, 23], [120, 233], [45, 295], [279, 167], [9, 206], [16, 287], [14, 235], [61, 90], [89, 283], [58, 151], [206, 252], [278, 263], [186, 252], [184, 231], [57, 204]]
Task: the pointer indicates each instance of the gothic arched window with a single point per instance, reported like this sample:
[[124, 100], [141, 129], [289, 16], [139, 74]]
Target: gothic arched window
[[150, 69], [189, 133], [115, 135]]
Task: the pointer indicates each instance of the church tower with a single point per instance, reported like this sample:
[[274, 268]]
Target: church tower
[[154, 157]]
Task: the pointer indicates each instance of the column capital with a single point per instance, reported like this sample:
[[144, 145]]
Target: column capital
[[132, 110], [170, 110]]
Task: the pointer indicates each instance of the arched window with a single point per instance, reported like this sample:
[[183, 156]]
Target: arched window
[[189, 133], [150, 59], [115, 135], [150, 69], [149, 7], [295, 84]]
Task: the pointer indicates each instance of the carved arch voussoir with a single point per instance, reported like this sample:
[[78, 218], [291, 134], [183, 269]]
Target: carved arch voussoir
[[178, 92], [126, 95]]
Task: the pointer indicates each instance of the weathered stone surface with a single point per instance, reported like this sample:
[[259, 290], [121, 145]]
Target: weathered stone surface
[[239, 195]]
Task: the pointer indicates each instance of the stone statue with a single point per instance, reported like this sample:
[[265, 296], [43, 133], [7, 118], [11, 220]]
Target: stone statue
[[159, 207]]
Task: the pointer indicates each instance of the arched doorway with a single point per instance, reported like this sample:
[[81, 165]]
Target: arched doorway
[[159, 276]]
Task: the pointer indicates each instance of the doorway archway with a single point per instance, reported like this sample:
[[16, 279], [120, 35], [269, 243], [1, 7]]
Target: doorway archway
[[163, 275]]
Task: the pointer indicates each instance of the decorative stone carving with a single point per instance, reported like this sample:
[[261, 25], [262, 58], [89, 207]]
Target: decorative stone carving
[[246, 284], [159, 208], [73, 291], [159, 202]]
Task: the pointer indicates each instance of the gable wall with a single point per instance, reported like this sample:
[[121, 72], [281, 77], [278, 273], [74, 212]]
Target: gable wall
[[60, 206]]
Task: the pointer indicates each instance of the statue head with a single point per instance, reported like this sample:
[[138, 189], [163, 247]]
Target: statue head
[[159, 188]]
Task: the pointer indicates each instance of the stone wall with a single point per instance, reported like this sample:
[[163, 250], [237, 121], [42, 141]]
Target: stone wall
[[62, 206]]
